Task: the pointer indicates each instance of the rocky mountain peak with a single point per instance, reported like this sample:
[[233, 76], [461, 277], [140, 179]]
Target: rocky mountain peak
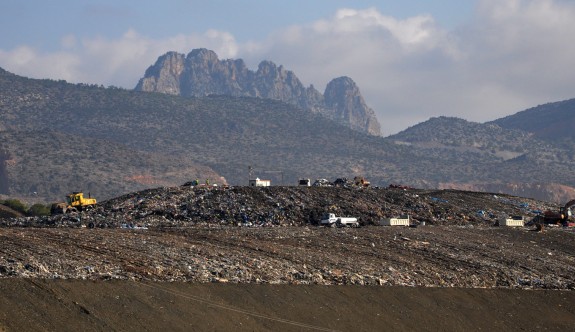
[[266, 67], [203, 53], [164, 75], [343, 96], [203, 58], [201, 73]]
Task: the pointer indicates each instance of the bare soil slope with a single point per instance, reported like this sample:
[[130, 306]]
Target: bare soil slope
[[48, 305]]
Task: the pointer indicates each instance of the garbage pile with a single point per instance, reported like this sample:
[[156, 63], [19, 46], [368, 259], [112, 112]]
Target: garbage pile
[[271, 235], [290, 206]]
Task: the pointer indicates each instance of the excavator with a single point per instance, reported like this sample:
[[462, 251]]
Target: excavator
[[565, 216], [74, 202]]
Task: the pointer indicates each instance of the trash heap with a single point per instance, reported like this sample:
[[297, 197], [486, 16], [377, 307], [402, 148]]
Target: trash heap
[[291, 206], [271, 235]]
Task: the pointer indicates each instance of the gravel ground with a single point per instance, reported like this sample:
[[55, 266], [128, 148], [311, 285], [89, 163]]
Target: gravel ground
[[427, 256]]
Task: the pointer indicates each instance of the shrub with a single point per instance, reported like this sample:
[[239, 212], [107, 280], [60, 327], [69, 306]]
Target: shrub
[[39, 210]]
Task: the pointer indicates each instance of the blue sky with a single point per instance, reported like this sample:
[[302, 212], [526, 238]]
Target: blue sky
[[43, 23], [412, 59]]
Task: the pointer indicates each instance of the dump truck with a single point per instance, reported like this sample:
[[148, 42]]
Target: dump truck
[[74, 202], [331, 220]]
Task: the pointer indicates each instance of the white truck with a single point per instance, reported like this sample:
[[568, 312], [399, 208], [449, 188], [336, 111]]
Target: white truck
[[330, 219]]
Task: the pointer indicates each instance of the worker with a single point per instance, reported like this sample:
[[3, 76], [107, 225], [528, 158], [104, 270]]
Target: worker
[[207, 182]]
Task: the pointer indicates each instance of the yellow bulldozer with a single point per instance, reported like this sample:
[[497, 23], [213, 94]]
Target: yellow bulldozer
[[74, 202]]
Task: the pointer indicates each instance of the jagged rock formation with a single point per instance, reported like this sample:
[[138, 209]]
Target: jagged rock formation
[[201, 73], [342, 95]]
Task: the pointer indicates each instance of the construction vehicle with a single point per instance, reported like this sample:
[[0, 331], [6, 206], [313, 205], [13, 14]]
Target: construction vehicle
[[361, 181], [330, 220], [74, 202], [565, 216]]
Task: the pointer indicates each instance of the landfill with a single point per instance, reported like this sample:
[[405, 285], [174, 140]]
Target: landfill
[[271, 235]]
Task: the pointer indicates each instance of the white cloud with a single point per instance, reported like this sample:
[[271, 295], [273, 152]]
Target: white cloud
[[524, 49], [26, 61], [98, 60], [512, 55]]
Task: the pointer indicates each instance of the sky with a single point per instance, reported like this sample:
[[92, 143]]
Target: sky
[[479, 60]]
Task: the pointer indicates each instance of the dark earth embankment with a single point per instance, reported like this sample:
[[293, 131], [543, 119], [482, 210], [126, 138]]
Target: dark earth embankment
[[60, 305]]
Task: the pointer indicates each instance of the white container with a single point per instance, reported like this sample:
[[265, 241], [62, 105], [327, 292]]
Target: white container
[[401, 221], [512, 222]]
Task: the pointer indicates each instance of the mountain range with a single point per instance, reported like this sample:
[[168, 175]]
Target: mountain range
[[201, 73], [57, 137]]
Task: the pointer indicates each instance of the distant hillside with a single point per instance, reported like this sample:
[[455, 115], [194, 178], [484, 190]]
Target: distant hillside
[[552, 121], [229, 134], [517, 162], [201, 73], [48, 165], [457, 134], [169, 137]]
